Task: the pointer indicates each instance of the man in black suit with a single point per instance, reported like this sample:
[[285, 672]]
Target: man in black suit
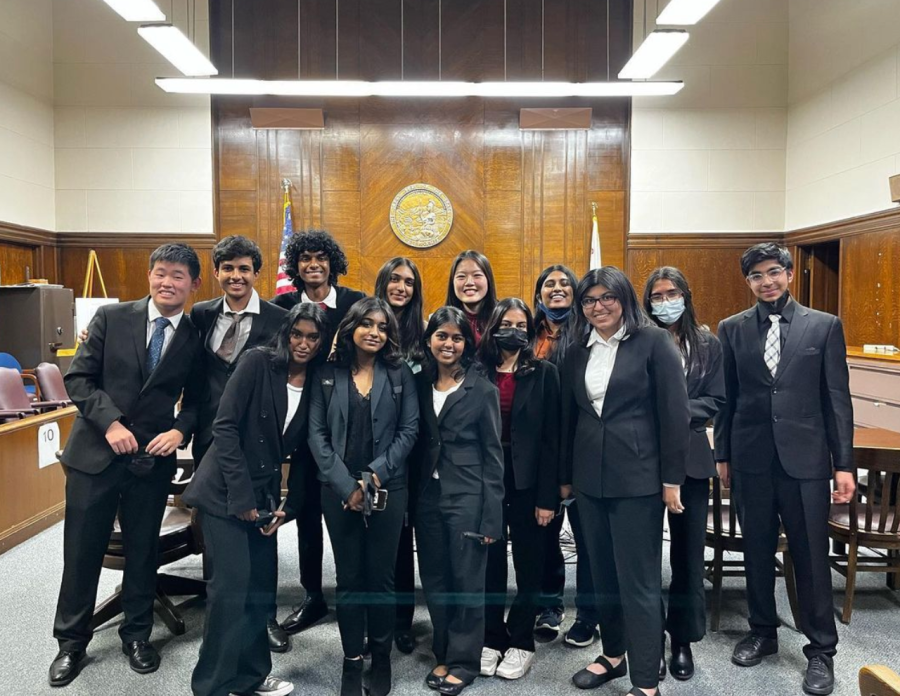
[[313, 261], [120, 456], [229, 326], [787, 421]]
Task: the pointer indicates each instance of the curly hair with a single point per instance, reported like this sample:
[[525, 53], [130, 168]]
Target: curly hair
[[306, 241], [345, 348]]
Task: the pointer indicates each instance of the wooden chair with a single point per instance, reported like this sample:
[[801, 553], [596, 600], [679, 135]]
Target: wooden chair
[[723, 535], [871, 519], [878, 680], [179, 537]]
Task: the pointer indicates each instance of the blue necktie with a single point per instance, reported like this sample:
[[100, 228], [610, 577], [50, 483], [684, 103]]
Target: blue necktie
[[157, 339]]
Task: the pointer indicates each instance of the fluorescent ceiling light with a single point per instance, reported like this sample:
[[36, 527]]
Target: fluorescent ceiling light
[[177, 49], [655, 52], [137, 10], [685, 12], [355, 88]]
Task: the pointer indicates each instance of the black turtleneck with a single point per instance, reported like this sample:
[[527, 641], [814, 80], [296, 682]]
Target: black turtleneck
[[783, 307]]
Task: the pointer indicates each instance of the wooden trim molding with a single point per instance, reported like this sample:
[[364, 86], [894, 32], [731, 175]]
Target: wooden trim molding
[[696, 240], [32, 527], [873, 222], [131, 240], [26, 236], [40, 419]]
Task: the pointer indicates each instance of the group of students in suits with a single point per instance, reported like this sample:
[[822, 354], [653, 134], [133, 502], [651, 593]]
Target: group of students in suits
[[482, 426]]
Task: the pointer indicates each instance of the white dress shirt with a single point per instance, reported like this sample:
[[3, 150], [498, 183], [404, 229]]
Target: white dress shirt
[[294, 395], [438, 399], [224, 321], [152, 315], [600, 366], [330, 300]]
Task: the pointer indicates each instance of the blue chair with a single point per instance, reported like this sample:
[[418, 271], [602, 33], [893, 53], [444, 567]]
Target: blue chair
[[9, 361]]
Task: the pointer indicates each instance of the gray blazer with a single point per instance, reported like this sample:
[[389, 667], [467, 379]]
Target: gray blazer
[[395, 425]]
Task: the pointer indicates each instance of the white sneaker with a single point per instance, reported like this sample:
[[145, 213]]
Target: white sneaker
[[273, 686], [516, 663], [490, 658]]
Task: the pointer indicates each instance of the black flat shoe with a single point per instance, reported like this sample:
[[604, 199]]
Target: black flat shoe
[[433, 681], [637, 692], [352, 677], [819, 679], [279, 640], [405, 642], [752, 648], [586, 679], [66, 666], [451, 689], [682, 663], [309, 612], [662, 667], [143, 658]]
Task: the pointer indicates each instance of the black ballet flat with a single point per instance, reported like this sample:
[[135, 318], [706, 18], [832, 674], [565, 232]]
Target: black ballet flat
[[451, 689], [433, 681], [637, 692], [586, 679]]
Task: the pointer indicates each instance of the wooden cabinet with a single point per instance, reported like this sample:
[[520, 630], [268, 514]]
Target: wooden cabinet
[[875, 389]]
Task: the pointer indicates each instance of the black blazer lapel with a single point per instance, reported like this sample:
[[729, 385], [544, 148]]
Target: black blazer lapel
[[294, 431], [378, 385], [342, 391], [621, 367], [753, 344], [799, 323], [185, 327], [279, 396], [139, 334], [429, 423], [524, 387], [580, 357], [457, 395]]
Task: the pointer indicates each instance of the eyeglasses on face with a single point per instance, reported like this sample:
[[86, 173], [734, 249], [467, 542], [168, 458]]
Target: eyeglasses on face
[[607, 299], [660, 297], [773, 273]]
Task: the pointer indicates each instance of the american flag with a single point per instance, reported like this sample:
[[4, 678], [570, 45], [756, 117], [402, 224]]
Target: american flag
[[283, 282]]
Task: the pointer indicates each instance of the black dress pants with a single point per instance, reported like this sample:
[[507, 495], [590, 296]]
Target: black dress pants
[[553, 584], [92, 502], [405, 578], [234, 655], [686, 619], [452, 570], [364, 560], [310, 544], [802, 507], [624, 540]]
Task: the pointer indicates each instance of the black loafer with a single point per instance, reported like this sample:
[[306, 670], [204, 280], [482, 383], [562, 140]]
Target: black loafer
[[309, 612], [682, 663], [143, 658], [433, 681], [405, 642], [662, 667], [279, 640], [752, 648], [65, 667], [819, 677], [586, 679]]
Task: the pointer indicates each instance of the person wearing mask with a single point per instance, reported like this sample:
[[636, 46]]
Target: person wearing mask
[[554, 295], [787, 423], [313, 263], [363, 423], [400, 285], [261, 418], [668, 300], [529, 433], [459, 512], [625, 442], [471, 289]]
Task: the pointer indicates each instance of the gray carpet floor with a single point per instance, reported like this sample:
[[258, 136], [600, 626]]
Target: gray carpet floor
[[29, 581]]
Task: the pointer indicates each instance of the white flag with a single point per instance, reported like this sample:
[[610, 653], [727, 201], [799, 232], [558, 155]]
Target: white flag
[[595, 244]]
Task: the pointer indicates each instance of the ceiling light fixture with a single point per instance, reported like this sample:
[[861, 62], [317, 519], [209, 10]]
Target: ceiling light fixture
[[655, 52], [435, 89], [685, 12], [137, 10], [177, 49]]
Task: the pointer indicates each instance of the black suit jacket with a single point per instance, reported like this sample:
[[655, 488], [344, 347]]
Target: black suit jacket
[[346, 298], [463, 445], [205, 315], [395, 422], [803, 414], [243, 464], [642, 439], [534, 433], [706, 395], [108, 382]]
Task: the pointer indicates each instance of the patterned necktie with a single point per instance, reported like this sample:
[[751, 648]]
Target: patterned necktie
[[773, 344], [229, 341], [323, 305], [157, 339]]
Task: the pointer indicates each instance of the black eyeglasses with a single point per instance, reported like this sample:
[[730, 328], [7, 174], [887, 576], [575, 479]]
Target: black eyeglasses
[[773, 273], [607, 299], [660, 297]]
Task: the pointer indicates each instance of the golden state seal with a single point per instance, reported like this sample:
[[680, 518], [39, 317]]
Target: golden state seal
[[421, 216]]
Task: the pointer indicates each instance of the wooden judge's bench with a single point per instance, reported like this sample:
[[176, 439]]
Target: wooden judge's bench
[[875, 388]]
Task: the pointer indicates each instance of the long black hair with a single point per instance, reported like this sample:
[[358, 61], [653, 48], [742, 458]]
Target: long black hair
[[278, 349], [617, 283], [489, 352], [565, 329], [409, 318], [345, 348], [490, 298], [454, 316], [692, 336]]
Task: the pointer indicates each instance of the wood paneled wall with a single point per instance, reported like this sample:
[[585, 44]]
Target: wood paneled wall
[[523, 198]]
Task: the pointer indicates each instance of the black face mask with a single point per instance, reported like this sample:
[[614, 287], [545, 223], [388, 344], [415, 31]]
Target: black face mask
[[511, 339]]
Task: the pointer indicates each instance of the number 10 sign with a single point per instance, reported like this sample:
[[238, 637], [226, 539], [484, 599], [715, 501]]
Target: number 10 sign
[[48, 444]]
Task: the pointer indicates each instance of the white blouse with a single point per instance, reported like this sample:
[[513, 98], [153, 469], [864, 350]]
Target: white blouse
[[600, 366]]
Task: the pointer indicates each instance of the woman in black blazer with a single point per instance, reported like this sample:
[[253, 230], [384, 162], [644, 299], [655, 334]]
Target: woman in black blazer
[[625, 442], [529, 412], [667, 298], [363, 422], [460, 495], [261, 419]]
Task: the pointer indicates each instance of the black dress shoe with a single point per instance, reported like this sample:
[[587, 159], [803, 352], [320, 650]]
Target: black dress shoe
[[309, 611], [405, 641], [682, 664], [279, 640], [752, 648], [662, 667], [433, 681], [586, 679], [142, 657], [819, 675], [65, 667]]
